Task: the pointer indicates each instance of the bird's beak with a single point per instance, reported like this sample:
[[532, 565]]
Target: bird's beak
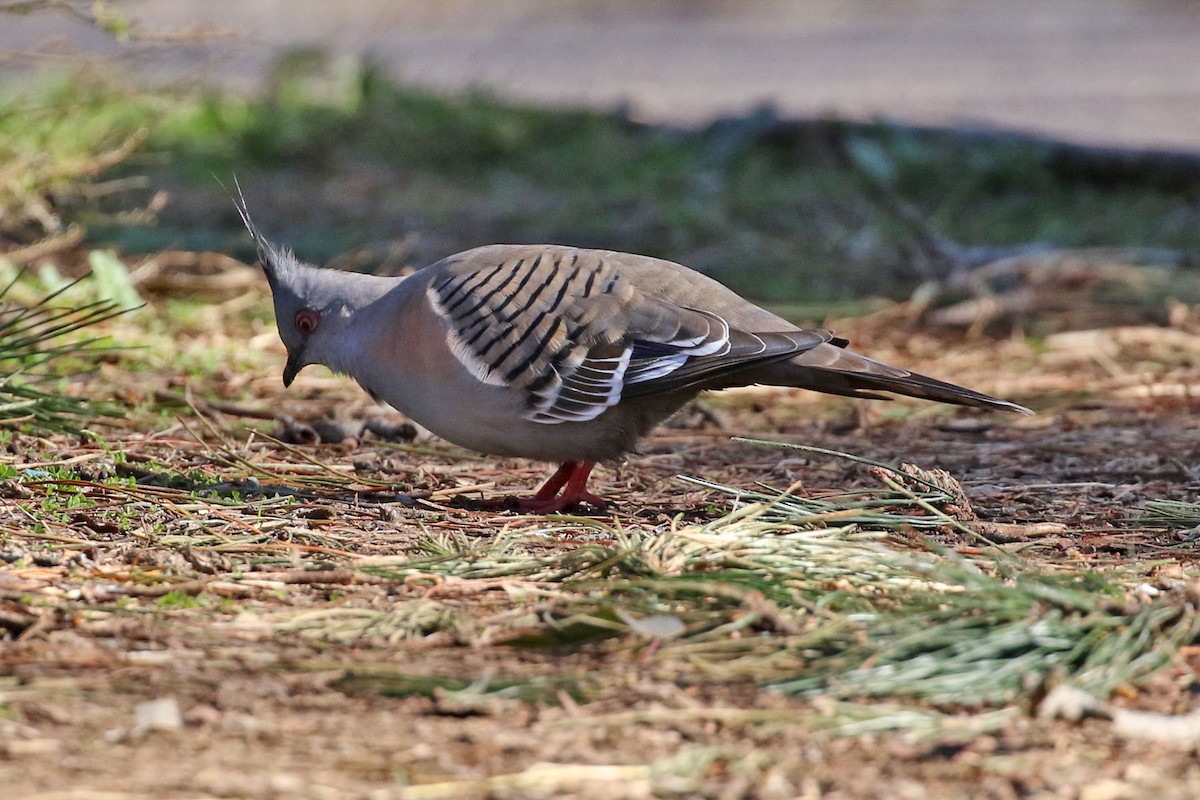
[[295, 363]]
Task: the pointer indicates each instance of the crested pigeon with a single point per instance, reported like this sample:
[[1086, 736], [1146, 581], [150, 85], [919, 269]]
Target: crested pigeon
[[557, 353]]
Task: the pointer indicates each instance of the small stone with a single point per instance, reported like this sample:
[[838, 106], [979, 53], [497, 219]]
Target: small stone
[[776, 787], [287, 784], [292, 432], [389, 432], [203, 714], [332, 431], [156, 715], [1107, 789], [31, 747], [654, 626]]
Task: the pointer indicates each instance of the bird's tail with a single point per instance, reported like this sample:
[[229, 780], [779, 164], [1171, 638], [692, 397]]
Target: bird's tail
[[831, 369]]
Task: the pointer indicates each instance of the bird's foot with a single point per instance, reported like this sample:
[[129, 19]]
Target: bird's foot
[[556, 505], [571, 479], [541, 505]]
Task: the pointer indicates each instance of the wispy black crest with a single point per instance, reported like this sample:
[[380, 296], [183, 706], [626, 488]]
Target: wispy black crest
[[268, 256]]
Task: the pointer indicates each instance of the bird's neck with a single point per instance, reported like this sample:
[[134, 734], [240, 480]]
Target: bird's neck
[[373, 316], [357, 292]]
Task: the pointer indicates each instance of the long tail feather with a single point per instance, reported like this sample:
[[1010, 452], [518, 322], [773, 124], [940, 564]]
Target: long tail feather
[[830, 369]]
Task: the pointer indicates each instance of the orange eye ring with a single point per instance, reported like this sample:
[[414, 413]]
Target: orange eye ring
[[306, 321]]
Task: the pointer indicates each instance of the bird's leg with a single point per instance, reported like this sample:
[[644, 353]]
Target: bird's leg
[[576, 491], [571, 478], [573, 475], [555, 482]]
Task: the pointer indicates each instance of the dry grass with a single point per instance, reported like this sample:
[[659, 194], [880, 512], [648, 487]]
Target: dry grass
[[297, 602]]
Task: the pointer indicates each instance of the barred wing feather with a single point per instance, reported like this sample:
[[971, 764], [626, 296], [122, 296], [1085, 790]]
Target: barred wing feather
[[562, 326]]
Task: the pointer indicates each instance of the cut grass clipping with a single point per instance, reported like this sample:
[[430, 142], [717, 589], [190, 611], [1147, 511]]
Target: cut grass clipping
[[37, 343], [842, 596], [772, 593]]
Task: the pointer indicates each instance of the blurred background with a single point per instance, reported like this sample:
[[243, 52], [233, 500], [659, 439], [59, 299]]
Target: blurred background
[[806, 152], [1001, 193], [1102, 71]]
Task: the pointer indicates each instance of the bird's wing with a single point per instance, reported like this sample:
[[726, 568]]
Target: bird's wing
[[568, 329]]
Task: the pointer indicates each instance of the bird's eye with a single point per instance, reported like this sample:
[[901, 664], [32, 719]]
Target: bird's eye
[[307, 320]]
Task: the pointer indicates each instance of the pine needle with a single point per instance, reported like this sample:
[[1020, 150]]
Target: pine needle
[[34, 338]]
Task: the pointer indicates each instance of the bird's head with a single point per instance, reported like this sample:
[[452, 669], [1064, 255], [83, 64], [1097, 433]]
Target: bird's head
[[311, 309]]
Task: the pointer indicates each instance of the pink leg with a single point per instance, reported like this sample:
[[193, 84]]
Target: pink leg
[[572, 474], [555, 482]]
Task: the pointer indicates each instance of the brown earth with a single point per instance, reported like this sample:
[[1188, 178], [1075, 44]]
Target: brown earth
[[244, 620]]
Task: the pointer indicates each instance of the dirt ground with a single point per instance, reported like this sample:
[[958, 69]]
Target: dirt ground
[[264, 691]]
